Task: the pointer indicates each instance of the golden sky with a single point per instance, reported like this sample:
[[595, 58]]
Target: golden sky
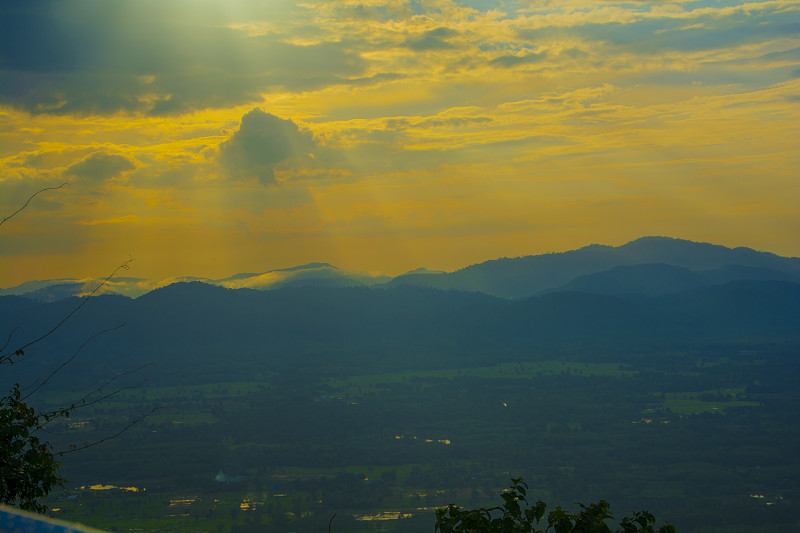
[[214, 137]]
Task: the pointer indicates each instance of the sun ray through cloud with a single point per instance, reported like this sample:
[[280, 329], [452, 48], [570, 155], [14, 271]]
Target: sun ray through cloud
[[391, 134]]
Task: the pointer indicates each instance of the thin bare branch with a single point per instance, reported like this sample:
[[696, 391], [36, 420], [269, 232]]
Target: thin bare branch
[[8, 341], [52, 416], [82, 401], [35, 382], [57, 413], [21, 349], [79, 405], [123, 430], [21, 357], [34, 195], [36, 421], [68, 361]]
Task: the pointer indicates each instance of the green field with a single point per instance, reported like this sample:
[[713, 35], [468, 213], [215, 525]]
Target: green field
[[382, 451]]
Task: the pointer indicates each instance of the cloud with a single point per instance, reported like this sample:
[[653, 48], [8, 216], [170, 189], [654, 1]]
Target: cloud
[[431, 40], [264, 142], [658, 31], [100, 166], [511, 60], [156, 57], [165, 58]]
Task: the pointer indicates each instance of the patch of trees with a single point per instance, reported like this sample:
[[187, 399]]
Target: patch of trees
[[516, 516]]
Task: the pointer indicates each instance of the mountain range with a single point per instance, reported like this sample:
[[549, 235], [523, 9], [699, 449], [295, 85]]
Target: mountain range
[[647, 266], [585, 303]]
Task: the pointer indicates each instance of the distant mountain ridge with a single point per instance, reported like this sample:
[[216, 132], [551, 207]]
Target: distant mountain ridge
[[527, 276], [647, 266], [661, 278], [190, 328], [311, 274], [650, 293]]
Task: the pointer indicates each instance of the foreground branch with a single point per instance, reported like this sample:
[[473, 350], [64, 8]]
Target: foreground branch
[[68, 361], [74, 448], [8, 358], [34, 195]]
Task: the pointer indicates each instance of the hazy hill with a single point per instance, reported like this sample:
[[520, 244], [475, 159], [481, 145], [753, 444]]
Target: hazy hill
[[527, 276], [57, 289], [661, 278], [653, 292], [191, 330], [647, 266], [312, 274]]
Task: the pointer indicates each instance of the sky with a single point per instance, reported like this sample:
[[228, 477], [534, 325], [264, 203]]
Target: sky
[[208, 138]]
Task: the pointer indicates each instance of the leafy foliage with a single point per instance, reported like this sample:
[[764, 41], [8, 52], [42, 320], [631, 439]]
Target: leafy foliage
[[512, 517], [28, 466]]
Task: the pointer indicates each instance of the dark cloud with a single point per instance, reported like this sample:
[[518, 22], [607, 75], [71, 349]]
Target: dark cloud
[[511, 60], [264, 142], [100, 166], [790, 56], [431, 40], [482, 5], [156, 57], [574, 53], [397, 123], [656, 35]]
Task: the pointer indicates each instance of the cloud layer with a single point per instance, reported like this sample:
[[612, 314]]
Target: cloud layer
[[174, 57], [207, 137]]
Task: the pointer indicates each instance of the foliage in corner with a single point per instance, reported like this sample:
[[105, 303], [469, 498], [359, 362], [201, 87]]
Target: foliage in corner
[[28, 467], [512, 517]]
